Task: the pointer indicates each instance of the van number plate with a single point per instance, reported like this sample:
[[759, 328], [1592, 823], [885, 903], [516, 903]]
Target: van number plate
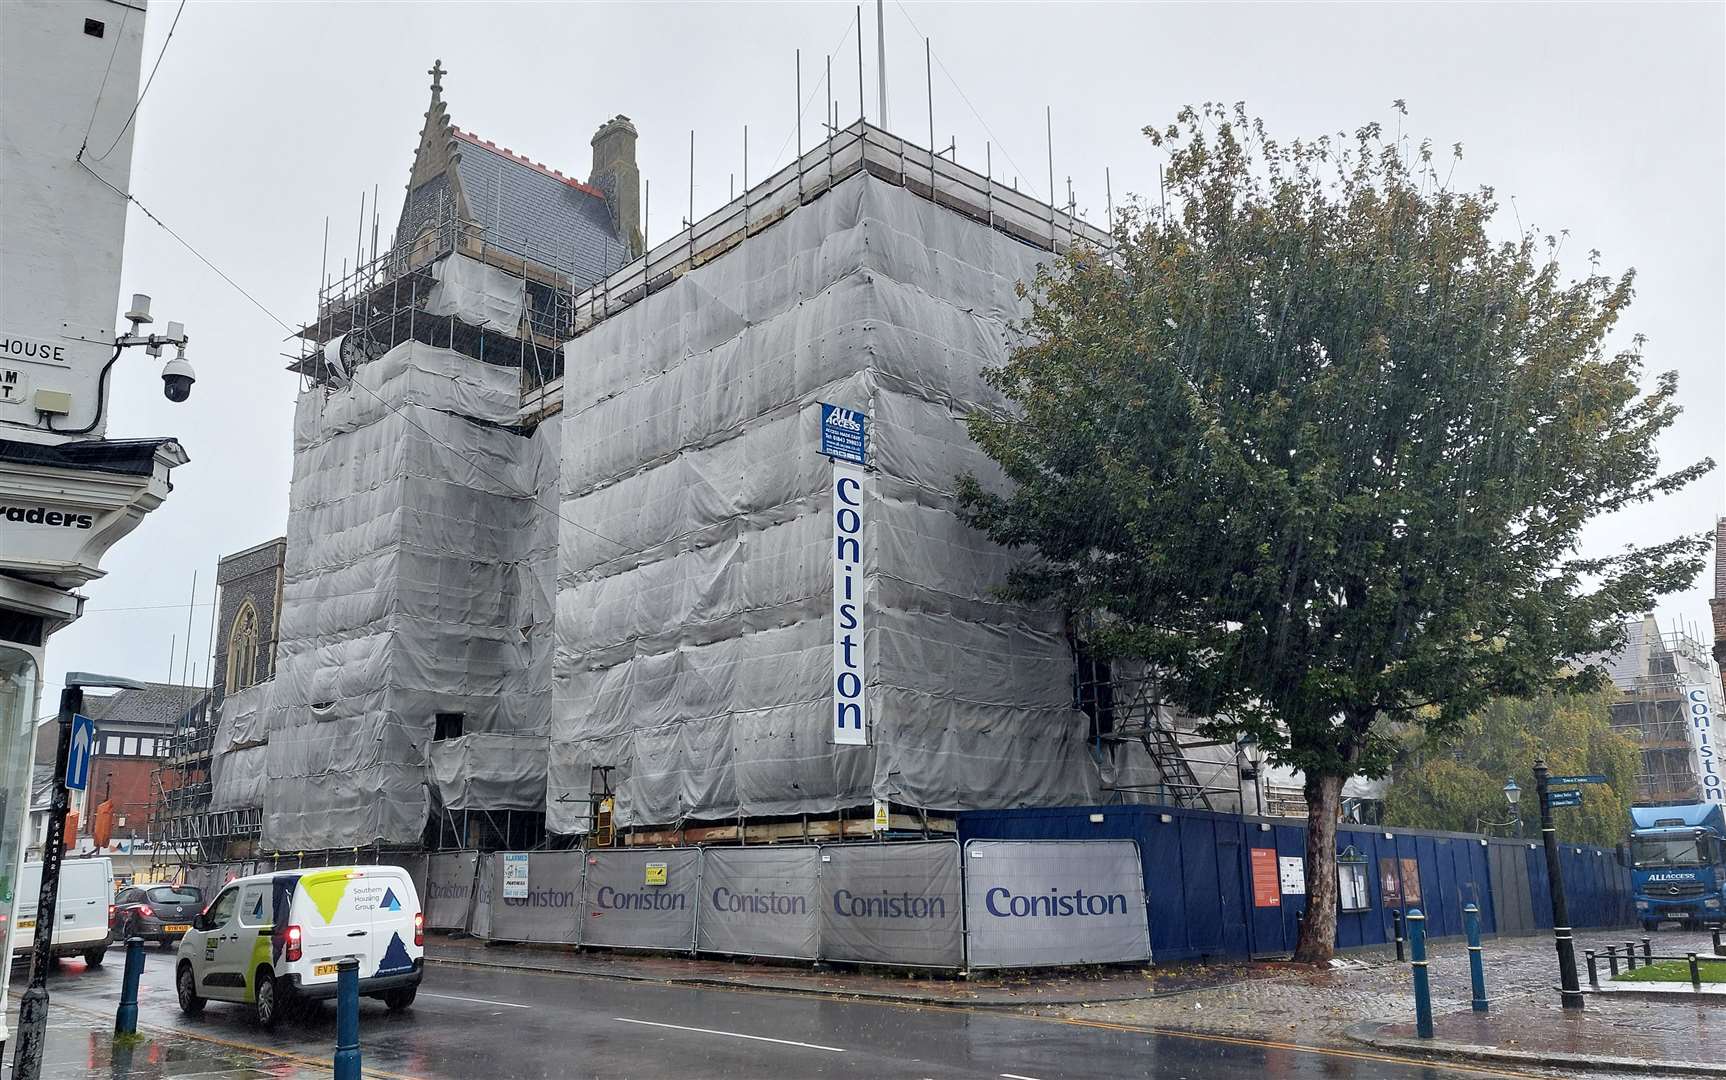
[[26, 924], [324, 969]]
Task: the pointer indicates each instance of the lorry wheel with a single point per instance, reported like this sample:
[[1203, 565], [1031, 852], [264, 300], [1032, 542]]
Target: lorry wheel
[[94, 957], [187, 986], [397, 1000], [1649, 926]]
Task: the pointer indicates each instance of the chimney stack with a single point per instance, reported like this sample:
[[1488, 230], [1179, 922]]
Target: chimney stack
[[616, 174]]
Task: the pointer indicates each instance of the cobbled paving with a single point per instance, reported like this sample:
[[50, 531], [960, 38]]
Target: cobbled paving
[[1315, 1007]]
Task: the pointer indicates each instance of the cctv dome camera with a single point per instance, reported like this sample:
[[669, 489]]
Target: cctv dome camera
[[177, 379]]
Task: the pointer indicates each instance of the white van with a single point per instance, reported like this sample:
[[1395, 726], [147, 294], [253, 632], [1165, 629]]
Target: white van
[[81, 919], [272, 941]]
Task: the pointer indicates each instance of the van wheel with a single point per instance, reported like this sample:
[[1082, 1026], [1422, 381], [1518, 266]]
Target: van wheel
[[94, 957], [397, 1000], [187, 985], [269, 998]]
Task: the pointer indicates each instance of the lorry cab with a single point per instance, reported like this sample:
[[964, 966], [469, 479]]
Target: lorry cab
[[1678, 865], [82, 911], [273, 941]]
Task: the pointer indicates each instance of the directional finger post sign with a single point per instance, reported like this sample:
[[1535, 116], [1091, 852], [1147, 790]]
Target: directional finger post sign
[[1564, 798], [1590, 778], [78, 754]]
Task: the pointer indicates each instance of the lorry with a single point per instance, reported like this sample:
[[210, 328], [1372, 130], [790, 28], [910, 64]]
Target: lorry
[[1678, 864]]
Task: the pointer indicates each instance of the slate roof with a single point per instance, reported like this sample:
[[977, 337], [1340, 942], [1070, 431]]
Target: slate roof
[[539, 212], [158, 705]]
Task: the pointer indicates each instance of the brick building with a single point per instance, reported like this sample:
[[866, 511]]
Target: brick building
[[134, 729]]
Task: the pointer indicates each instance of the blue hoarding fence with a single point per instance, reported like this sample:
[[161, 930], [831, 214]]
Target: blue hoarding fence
[[1222, 885]]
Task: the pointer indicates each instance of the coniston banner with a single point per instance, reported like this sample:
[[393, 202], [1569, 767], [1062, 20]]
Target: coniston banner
[[850, 719], [1031, 903]]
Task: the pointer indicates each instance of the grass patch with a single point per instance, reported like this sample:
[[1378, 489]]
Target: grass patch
[[1675, 971]]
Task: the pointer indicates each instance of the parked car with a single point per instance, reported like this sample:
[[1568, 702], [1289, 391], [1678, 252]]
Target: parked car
[[272, 941], [83, 913], [160, 912]]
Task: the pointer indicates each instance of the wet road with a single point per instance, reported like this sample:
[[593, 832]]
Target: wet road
[[475, 1023]]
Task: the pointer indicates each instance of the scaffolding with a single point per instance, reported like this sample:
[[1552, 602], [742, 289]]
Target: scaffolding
[[1651, 710], [1126, 709], [382, 303]]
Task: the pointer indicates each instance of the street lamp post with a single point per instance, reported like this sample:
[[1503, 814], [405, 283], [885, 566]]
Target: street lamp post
[[1569, 990], [1513, 796], [33, 1008]]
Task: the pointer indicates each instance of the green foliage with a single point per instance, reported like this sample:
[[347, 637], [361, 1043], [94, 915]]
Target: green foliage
[[1456, 781], [1320, 449]]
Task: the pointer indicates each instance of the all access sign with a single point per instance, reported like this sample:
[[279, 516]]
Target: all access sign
[[844, 434]]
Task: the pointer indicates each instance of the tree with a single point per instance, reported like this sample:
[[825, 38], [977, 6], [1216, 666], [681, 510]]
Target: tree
[[1315, 447], [1456, 781]]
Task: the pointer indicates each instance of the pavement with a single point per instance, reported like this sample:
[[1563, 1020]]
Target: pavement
[[473, 1022], [981, 989], [1369, 1000]]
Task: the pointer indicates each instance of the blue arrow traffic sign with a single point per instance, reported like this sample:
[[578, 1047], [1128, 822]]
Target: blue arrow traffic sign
[[1564, 798], [78, 754], [1591, 778]]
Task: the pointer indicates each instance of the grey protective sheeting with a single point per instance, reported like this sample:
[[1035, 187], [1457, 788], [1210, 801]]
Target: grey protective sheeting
[[694, 630], [448, 898], [1040, 903], [486, 873], [418, 581], [489, 772], [760, 902], [551, 911], [621, 910], [893, 904]]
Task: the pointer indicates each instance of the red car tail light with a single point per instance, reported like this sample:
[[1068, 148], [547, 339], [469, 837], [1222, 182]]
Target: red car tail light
[[419, 928], [147, 911], [110, 913], [295, 938]]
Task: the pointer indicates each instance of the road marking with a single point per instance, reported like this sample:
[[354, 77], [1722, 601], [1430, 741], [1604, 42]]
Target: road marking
[[476, 1001], [929, 1006], [732, 1035], [1016, 1076]]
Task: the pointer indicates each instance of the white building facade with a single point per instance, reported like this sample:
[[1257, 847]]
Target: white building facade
[[68, 90]]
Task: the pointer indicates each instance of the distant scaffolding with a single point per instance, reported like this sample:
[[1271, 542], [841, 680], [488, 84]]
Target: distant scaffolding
[[1651, 710]]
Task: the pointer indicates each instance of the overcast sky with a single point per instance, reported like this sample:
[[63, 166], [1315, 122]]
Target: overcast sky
[[267, 117]]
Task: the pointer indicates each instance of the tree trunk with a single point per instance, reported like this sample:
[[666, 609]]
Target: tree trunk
[[1318, 928]]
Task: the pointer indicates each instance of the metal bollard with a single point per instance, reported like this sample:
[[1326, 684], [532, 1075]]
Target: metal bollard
[[1695, 973], [1629, 956], [1593, 971], [1612, 961], [1396, 931], [1422, 990], [1647, 952], [126, 1016], [1476, 964], [347, 1063]]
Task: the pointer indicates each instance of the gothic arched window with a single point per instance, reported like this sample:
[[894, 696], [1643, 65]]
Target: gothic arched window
[[243, 648]]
